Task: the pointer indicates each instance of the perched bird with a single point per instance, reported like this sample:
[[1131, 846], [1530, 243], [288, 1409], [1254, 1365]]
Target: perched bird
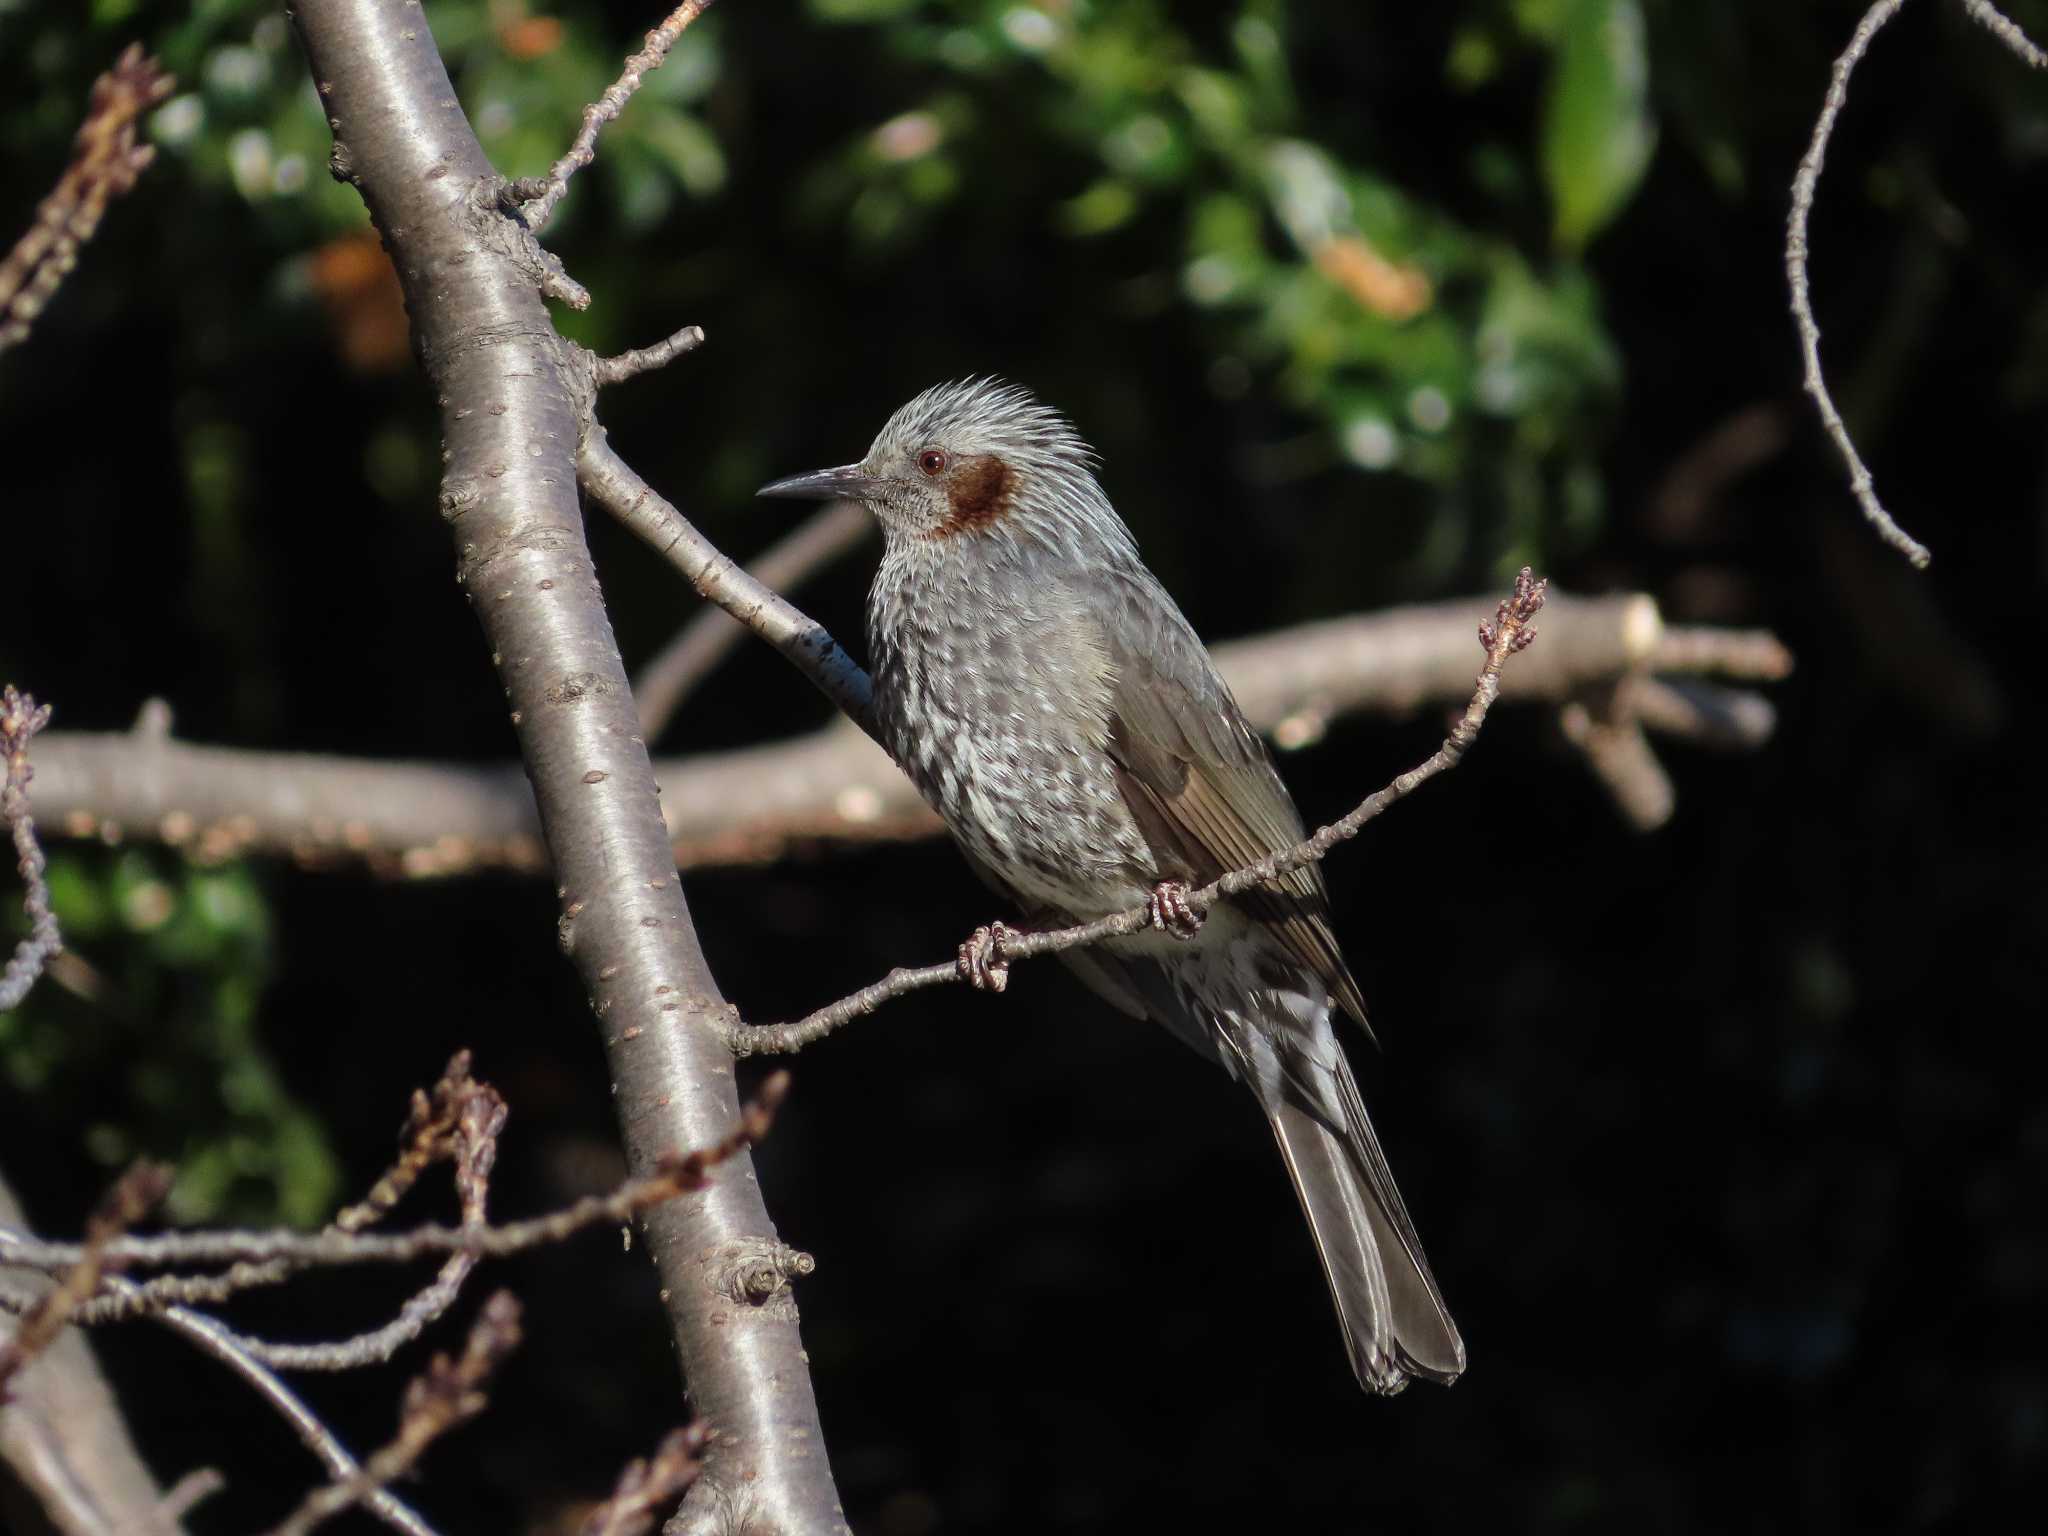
[[1054, 707]]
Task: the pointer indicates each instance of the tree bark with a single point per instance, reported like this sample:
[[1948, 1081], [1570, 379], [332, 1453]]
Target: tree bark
[[751, 805], [63, 1439], [514, 400]]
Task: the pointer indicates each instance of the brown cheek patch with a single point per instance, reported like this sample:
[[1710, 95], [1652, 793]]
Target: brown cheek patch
[[979, 493]]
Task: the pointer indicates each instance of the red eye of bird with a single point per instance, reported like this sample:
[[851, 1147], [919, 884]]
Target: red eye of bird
[[932, 461]]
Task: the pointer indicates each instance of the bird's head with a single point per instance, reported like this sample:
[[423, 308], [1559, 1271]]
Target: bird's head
[[977, 456]]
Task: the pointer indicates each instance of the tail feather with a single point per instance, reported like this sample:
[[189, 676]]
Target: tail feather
[[1394, 1319]]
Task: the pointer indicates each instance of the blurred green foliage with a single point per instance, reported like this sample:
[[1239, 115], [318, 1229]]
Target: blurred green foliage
[[147, 1039], [1424, 346]]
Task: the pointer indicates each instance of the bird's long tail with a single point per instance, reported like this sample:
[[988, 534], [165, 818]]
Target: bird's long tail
[[1394, 1319]]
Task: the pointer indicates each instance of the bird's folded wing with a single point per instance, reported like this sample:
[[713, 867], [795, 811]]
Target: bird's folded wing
[[1201, 785]]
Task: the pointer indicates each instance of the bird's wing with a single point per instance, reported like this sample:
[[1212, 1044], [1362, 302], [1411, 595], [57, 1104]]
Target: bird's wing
[[1201, 785]]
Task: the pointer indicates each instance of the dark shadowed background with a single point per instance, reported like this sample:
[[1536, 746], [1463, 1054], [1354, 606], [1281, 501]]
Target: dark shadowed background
[[1725, 1141]]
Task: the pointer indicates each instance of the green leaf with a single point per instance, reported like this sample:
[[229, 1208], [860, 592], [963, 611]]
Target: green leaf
[[1597, 131]]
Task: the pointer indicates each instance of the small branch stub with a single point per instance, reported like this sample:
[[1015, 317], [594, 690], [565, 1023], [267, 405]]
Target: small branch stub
[[615, 370]]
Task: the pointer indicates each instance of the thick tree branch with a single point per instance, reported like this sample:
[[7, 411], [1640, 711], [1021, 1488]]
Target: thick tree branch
[[515, 400], [700, 645], [984, 959], [755, 804]]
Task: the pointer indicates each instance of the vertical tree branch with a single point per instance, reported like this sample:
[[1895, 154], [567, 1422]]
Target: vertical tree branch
[[511, 393]]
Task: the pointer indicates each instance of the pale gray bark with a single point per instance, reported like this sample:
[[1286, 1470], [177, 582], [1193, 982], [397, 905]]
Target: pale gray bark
[[753, 804], [514, 400]]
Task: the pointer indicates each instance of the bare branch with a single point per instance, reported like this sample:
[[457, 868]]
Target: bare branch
[[756, 804], [710, 637], [984, 959], [191, 1490], [133, 1196], [105, 162], [1610, 736], [448, 1393], [1804, 186], [2007, 31], [459, 1123], [610, 482], [535, 197], [20, 718], [1689, 710], [627, 365], [221, 1342], [677, 1173], [645, 1488]]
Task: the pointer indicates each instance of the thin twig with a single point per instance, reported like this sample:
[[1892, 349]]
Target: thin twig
[[472, 1145], [20, 718], [459, 1122], [189, 1491], [1804, 186], [645, 1488], [221, 1342], [710, 636], [133, 1196], [105, 162], [1509, 631], [616, 370], [677, 1174], [614, 485], [448, 1393], [535, 197], [2007, 31]]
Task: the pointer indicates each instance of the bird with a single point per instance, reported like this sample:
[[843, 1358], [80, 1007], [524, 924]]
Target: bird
[[1050, 701]]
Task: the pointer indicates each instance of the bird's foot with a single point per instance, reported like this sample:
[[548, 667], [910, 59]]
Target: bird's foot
[[1171, 912], [983, 965]]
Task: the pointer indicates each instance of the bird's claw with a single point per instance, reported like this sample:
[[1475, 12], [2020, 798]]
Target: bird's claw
[[1171, 912], [983, 965]]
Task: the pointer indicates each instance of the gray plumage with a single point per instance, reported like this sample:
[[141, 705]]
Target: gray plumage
[[1052, 704]]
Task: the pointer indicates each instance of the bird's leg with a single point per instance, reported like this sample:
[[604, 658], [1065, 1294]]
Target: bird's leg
[[1171, 912], [983, 965]]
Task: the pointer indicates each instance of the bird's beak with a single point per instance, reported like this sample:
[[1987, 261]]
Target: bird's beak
[[849, 482]]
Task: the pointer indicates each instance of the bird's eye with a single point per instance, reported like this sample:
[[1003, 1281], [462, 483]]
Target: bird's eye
[[932, 461]]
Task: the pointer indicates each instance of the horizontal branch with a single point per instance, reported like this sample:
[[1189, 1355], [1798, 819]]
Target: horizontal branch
[[756, 804], [679, 1173]]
